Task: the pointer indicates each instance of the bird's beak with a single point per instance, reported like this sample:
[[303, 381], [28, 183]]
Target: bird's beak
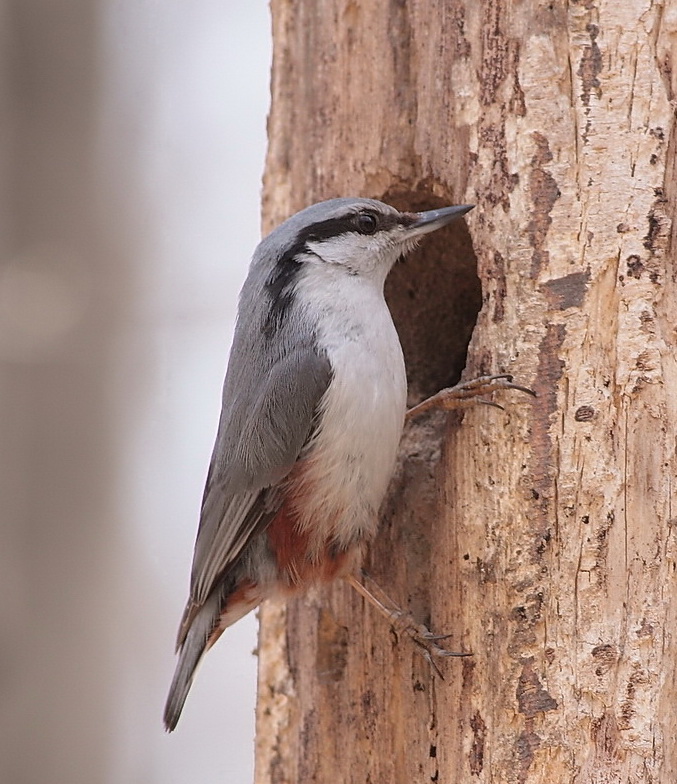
[[431, 220]]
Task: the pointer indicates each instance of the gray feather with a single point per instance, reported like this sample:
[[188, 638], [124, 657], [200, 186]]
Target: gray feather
[[189, 658], [273, 386]]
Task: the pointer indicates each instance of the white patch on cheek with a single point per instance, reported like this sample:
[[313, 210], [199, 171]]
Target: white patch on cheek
[[346, 250], [361, 253]]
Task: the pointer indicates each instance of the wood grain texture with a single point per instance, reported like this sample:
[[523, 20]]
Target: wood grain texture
[[541, 537]]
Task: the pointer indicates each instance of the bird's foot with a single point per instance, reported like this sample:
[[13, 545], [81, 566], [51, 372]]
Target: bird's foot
[[427, 643], [468, 393]]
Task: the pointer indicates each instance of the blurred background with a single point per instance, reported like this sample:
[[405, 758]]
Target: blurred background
[[132, 139]]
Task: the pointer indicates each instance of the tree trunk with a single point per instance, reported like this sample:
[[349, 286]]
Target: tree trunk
[[540, 537]]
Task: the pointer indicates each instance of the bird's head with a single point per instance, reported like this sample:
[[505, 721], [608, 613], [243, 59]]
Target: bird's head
[[362, 237]]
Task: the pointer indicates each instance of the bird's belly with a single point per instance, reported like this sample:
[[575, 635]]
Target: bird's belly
[[351, 459], [300, 557]]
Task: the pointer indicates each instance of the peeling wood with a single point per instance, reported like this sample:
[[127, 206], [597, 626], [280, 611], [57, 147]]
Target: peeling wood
[[544, 193], [567, 292], [532, 698]]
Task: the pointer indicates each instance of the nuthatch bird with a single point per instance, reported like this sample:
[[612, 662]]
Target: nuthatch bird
[[314, 403]]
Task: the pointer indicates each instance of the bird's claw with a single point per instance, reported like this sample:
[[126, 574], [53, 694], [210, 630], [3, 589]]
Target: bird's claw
[[428, 635], [426, 643], [430, 650], [467, 393]]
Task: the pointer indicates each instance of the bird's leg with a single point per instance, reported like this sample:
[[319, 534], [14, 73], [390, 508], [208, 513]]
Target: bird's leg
[[468, 393], [462, 395], [402, 622]]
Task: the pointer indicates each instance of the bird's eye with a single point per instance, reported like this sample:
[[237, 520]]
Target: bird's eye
[[366, 223]]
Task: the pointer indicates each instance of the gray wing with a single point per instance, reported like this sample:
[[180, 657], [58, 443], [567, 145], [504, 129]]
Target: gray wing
[[263, 427]]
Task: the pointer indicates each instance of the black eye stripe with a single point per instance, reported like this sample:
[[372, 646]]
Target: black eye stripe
[[344, 224], [324, 230]]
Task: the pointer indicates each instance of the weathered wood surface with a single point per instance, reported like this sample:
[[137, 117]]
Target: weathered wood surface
[[541, 537]]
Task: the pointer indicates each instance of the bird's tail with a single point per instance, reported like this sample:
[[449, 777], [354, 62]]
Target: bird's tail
[[202, 628]]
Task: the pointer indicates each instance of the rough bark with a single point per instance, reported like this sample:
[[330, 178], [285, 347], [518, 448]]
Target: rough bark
[[541, 537]]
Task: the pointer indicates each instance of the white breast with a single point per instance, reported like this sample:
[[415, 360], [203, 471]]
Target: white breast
[[362, 414]]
